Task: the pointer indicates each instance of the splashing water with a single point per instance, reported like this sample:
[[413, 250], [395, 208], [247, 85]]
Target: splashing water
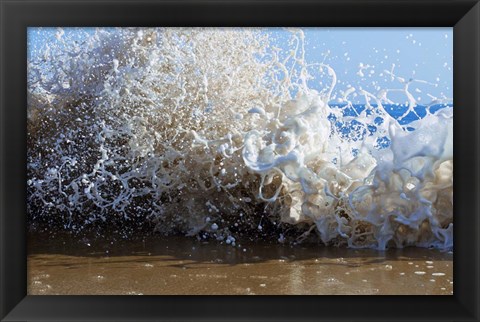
[[215, 133]]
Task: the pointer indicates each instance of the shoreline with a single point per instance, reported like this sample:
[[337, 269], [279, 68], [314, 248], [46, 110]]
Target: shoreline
[[183, 266]]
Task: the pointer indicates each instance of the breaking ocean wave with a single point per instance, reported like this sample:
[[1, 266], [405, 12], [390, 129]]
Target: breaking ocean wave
[[218, 134]]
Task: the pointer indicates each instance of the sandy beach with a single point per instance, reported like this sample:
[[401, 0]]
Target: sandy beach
[[183, 266]]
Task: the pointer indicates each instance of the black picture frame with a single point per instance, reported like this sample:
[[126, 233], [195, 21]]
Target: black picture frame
[[17, 15]]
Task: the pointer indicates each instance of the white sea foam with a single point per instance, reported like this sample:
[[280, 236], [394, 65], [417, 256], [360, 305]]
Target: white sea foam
[[198, 131]]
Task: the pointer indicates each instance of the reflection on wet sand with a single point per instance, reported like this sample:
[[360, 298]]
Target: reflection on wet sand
[[184, 266]]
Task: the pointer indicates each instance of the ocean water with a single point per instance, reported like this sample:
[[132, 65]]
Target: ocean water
[[220, 134]]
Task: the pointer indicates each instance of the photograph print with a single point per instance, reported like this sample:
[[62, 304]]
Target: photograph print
[[240, 161]]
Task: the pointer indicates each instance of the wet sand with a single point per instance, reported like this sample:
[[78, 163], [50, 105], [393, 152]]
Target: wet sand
[[181, 266]]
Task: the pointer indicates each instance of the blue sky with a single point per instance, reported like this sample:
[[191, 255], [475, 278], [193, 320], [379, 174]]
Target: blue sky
[[419, 53]]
